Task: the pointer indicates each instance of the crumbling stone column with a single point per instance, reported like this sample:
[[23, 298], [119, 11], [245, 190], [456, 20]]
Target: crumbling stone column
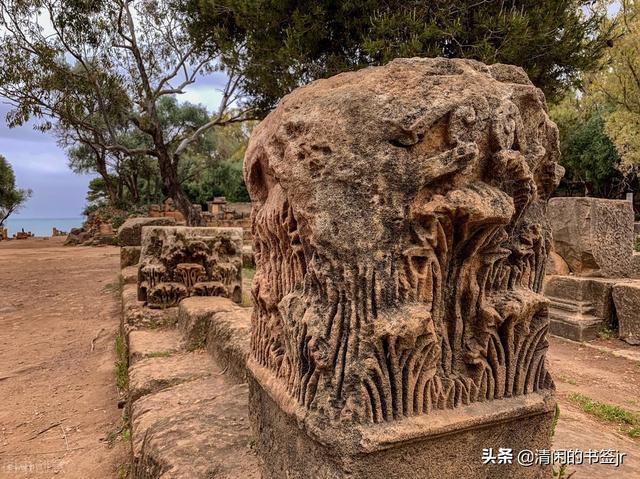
[[400, 239]]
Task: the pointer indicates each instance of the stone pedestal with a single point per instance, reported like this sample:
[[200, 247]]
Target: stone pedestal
[[446, 444], [400, 238]]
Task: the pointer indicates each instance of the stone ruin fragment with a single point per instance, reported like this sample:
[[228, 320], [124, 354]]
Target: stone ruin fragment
[[179, 261], [594, 282], [400, 238]]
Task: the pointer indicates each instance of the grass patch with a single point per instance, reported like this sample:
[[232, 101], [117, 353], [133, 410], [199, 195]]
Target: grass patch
[[627, 421], [606, 333], [116, 287], [121, 431], [247, 279], [565, 379], [123, 471], [248, 273], [561, 473], [246, 300], [122, 364]]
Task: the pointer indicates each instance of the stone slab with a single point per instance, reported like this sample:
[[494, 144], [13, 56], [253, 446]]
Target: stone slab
[[129, 256], [144, 344], [150, 375], [136, 315], [222, 327], [248, 260], [130, 275], [442, 444], [627, 300], [130, 232], [593, 235], [579, 307], [196, 430]]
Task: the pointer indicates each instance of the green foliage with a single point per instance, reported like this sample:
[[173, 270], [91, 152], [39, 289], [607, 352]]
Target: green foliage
[[588, 155], [607, 333], [122, 364], [619, 83], [298, 41], [11, 198], [214, 168]]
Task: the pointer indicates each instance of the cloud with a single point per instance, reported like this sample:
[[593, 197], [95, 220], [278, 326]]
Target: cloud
[[40, 165]]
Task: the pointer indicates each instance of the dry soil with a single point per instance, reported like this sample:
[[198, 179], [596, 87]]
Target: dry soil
[[58, 400]]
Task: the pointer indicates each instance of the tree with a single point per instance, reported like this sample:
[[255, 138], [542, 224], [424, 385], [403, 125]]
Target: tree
[[214, 168], [99, 71], [619, 84], [11, 198], [587, 153], [127, 180], [289, 43]]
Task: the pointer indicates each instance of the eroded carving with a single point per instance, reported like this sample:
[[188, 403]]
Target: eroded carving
[[177, 262], [400, 239]]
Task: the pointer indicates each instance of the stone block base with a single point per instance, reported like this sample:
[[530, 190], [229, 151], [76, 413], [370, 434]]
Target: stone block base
[[439, 445], [579, 307], [575, 328]]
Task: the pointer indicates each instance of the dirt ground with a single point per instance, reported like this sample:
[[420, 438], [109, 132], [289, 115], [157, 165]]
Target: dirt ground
[[579, 369], [58, 400]]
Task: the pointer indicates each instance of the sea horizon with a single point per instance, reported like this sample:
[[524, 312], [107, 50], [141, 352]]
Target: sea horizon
[[42, 226]]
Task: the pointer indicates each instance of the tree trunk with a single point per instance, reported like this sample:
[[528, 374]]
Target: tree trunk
[[173, 189], [111, 188]]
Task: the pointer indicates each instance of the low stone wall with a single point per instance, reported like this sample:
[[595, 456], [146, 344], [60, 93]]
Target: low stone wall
[[187, 397]]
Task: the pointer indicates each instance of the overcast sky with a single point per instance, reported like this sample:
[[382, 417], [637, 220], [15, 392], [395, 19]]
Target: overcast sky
[[40, 165]]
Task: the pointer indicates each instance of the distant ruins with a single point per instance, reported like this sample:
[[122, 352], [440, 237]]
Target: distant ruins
[[591, 284], [400, 239]]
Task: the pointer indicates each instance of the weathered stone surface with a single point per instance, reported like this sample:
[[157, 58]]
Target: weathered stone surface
[[579, 307], [151, 375], [177, 262], [129, 256], [400, 240], [222, 327], [130, 276], [627, 300], [130, 232], [556, 265], [593, 235], [144, 344], [77, 236], [444, 444], [136, 315], [196, 430]]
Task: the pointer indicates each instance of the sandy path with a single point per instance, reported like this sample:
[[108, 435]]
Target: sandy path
[[57, 397], [605, 378]]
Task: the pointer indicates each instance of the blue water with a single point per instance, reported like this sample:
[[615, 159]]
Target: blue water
[[42, 226]]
